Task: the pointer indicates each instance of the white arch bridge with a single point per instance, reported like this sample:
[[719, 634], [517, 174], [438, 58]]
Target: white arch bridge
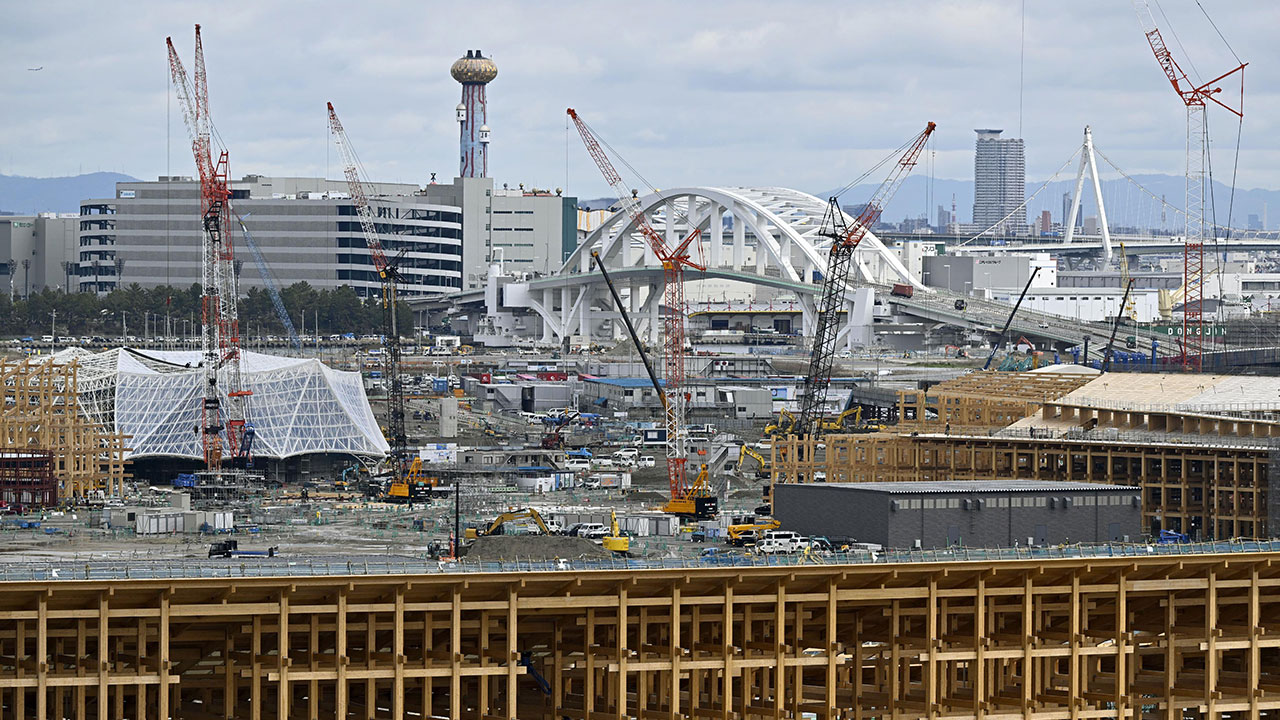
[[772, 241]]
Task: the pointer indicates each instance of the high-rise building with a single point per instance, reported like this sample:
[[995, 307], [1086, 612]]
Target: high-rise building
[[1046, 222], [1000, 182], [944, 217]]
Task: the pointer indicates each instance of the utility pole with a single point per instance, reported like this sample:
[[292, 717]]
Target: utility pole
[[53, 325], [26, 278]]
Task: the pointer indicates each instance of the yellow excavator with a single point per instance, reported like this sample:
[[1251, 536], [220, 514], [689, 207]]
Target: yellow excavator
[[415, 486], [747, 533], [749, 452], [782, 426], [615, 541], [851, 421], [495, 527]]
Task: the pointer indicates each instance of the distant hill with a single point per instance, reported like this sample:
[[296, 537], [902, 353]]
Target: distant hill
[[28, 195]]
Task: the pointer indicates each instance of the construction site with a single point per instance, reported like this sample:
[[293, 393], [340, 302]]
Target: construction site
[[600, 492]]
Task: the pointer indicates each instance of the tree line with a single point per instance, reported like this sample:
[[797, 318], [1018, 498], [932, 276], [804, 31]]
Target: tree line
[[167, 310]]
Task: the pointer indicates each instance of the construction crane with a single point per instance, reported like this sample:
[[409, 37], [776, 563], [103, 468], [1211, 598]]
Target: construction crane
[[270, 281], [844, 241], [219, 314], [1125, 278], [1195, 98], [696, 500], [674, 261], [1009, 320], [389, 277]]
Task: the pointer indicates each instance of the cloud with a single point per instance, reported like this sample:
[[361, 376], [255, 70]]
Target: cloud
[[805, 94]]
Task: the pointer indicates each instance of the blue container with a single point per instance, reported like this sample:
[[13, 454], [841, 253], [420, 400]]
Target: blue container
[[185, 480], [440, 385]]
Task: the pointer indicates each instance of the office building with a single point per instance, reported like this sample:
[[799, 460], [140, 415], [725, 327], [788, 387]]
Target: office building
[[37, 252], [999, 187], [305, 228]]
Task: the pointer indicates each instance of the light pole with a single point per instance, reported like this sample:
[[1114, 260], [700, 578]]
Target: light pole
[[26, 278], [119, 263], [12, 284], [97, 266], [66, 270]]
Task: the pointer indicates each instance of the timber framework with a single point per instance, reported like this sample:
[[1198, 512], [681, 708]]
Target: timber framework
[[1098, 637]]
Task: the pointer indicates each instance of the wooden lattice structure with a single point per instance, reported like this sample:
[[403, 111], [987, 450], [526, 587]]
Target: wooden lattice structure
[[1052, 639], [41, 412], [1217, 490], [983, 400]]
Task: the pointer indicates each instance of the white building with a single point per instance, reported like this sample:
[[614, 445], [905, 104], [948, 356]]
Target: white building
[[1084, 304], [999, 182], [35, 250]]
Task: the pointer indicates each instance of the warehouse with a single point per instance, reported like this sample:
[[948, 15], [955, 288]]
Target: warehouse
[[969, 513]]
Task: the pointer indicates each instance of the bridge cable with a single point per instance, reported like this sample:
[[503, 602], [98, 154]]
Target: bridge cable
[[1024, 204]]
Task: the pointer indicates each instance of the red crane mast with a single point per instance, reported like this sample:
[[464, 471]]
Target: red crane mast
[[674, 261], [1194, 97], [220, 336]]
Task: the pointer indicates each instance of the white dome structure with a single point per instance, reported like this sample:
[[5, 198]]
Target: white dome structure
[[297, 406]]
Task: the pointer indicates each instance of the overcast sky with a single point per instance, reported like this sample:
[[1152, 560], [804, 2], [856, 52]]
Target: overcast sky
[[804, 95]]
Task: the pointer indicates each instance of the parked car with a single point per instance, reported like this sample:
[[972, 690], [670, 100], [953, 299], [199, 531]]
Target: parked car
[[590, 531]]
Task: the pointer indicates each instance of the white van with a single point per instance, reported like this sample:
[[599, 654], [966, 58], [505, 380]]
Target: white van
[[782, 541], [647, 461], [577, 464]]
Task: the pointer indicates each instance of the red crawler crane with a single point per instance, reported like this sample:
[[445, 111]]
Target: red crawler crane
[[220, 336], [687, 499]]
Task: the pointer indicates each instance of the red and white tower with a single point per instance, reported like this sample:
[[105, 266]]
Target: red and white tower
[[474, 71]]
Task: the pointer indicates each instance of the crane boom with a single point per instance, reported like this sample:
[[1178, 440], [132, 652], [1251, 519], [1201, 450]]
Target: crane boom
[[220, 334], [674, 261], [272, 289], [389, 277], [845, 238], [1194, 97]]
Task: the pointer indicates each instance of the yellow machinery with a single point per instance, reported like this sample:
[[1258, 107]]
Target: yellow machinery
[[698, 502], [741, 534], [523, 514], [749, 452], [1129, 309], [851, 421], [415, 485], [615, 541], [785, 423]]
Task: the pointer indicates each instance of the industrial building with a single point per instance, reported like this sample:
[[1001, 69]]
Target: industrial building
[[38, 252], [1198, 448], [974, 514]]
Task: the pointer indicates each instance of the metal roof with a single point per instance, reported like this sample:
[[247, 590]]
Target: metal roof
[[926, 487]]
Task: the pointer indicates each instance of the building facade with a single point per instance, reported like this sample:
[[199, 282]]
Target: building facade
[[528, 230], [999, 182], [305, 228], [35, 251], [968, 513]]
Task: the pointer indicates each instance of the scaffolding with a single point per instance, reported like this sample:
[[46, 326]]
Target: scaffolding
[[40, 413]]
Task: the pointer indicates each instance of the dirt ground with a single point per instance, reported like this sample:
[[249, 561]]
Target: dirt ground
[[533, 547]]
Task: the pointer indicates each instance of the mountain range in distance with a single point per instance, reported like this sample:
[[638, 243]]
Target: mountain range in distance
[[28, 195], [1126, 203]]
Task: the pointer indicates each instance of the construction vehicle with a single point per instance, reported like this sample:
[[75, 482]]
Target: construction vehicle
[[389, 276], [850, 420], [1129, 309], [554, 438], [495, 527], [785, 423], [749, 452], [413, 487], [231, 548], [1196, 99], [615, 541], [220, 349], [845, 237], [1009, 320], [748, 533], [693, 500], [688, 499]]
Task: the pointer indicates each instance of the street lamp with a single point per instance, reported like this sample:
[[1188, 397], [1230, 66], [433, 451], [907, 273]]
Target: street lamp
[[26, 278], [119, 263], [10, 266], [97, 264], [66, 270]]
